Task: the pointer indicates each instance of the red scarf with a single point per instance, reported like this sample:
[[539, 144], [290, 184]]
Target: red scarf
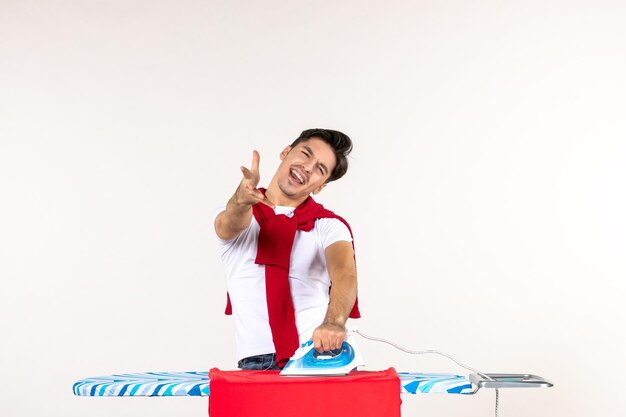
[[274, 251]]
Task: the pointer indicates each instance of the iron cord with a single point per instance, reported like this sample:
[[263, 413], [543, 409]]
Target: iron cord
[[435, 352]]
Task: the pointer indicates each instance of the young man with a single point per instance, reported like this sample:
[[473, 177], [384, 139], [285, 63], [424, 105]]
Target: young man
[[282, 251]]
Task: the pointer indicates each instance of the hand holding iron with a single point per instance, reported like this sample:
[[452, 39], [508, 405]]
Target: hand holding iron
[[328, 336]]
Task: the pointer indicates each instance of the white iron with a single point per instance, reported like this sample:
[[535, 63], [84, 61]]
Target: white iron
[[307, 361]]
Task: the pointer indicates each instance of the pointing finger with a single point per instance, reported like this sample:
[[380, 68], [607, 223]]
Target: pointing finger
[[255, 161]]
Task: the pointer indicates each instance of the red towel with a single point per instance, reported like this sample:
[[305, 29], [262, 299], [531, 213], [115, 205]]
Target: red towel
[[266, 394]]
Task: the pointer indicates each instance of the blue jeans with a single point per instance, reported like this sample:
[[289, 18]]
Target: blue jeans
[[266, 362]]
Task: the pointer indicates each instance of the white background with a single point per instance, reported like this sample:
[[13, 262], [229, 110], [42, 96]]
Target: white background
[[486, 187]]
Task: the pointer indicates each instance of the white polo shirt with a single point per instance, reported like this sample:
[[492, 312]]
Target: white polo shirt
[[308, 279]]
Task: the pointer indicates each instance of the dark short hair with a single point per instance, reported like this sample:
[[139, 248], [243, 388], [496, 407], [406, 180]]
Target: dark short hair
[[340, 142]]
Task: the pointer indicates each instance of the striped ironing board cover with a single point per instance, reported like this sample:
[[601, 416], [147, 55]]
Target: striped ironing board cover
[[196, 384]]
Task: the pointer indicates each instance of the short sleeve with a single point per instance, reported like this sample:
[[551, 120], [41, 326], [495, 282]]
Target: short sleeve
[[332, 230]]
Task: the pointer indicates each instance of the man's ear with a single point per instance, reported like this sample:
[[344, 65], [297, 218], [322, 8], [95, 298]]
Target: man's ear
[[318, 189], [284, 153]]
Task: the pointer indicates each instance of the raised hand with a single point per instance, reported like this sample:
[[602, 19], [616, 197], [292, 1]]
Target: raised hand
[[247, 194]]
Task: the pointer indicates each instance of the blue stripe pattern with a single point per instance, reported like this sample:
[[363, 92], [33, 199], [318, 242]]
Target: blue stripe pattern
[[420, 383], [148, 384], [196, 384]]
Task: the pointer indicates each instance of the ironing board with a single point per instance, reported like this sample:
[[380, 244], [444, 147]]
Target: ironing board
[[196, 384]]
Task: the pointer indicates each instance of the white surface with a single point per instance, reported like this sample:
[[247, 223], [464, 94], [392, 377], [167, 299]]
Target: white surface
[[486, 190]]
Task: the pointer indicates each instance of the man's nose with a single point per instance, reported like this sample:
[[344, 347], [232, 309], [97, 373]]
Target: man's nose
[[309, 166]]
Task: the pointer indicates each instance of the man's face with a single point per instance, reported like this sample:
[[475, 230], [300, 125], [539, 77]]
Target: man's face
[[305, 168]]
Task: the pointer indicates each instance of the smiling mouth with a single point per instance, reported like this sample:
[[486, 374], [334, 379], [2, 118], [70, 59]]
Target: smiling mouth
[[297, 176]]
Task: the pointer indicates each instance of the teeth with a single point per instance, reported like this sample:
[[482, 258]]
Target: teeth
[[297, 176]]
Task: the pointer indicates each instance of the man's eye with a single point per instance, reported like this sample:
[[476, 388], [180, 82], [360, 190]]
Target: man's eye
[[307, 155]]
